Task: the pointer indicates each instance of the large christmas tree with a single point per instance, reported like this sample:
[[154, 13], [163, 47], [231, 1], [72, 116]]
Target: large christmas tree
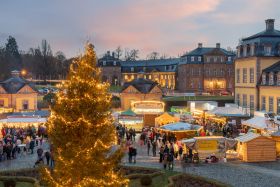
[[81, 131]]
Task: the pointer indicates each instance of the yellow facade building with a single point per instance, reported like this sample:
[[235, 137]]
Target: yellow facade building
[[255, 54], [141, 92], [16, 94]]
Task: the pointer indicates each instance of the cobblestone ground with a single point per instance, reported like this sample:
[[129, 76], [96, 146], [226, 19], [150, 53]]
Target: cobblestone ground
[[234, 173], [23, 160]]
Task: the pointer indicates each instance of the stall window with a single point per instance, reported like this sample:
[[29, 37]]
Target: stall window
[[1, 103], [25, 104]]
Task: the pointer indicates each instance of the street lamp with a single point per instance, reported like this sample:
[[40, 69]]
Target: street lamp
[[23, 72]]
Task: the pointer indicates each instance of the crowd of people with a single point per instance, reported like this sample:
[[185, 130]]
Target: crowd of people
[[15, 142]]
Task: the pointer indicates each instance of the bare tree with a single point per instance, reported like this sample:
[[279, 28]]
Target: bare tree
[[153, 55], [119, 52], [131, 55]]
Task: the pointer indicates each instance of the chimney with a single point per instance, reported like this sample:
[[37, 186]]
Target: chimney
[[218, 45], [269, 24], [15, 73], [199, 45], [108, 53]]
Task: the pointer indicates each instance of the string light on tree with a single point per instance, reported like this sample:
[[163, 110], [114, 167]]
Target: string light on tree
[[81, 131]]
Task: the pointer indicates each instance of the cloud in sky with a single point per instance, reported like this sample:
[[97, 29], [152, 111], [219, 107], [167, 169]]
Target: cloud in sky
[[167, 26]]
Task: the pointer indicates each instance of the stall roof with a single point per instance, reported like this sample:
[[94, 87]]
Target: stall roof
[[128, 112], [180, 126], [258, 122], [247, 137], [228, 112], [24, 120], [277, 133]]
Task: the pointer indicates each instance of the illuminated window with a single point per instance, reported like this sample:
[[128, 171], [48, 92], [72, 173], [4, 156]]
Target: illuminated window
[[1, 103], [238, 75], [125, 77], [25, 104], [150, 76], [270, 108], [251, 75], [252, 103], [244, 75], [237, 99], [244, 98], [271, 78], [263, 103]]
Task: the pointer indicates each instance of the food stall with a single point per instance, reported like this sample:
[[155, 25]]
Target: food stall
[[131, 120], [181, 130], [22, 122], [253, 147], [210, 145], [164, 119], [276, 136]]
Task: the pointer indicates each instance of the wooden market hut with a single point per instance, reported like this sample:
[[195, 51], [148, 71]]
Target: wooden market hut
[[276, 136], [164, 119], [181, 130], [254, 147]]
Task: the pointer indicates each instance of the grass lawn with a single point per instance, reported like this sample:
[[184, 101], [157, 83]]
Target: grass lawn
[[198, 98], [158, 181]]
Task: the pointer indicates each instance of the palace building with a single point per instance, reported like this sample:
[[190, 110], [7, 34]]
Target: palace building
[[207, 69], [16, 94], [204, 69], [257, 70]]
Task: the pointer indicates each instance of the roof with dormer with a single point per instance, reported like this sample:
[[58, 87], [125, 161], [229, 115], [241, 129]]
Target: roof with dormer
[[200, 51], [142, 85], [14, 84], [273, 68]]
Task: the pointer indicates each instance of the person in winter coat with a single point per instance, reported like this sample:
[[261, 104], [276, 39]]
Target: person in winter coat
[[154, 148], [161, 151], [165, 160], [149, 146], [32, 145]]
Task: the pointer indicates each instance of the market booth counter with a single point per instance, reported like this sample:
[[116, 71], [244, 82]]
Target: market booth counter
[[131, 120], [210, 145], [254, 147], [181, 130]]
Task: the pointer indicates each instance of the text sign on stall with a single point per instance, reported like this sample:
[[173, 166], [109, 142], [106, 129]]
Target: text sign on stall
[[207, 145]]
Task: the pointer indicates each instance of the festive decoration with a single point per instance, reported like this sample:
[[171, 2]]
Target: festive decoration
[[81, 131]]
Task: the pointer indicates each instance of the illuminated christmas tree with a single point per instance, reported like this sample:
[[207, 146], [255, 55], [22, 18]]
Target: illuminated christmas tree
[[81, 131]]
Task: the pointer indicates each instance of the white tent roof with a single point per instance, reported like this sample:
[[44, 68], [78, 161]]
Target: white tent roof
[[24, 120], [247, 137], [229, 111], [180, 126], [258, 122]]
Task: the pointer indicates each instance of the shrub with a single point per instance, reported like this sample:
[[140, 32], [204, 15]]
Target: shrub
[[146, 180]]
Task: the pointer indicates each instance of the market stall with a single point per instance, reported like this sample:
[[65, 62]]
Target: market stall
[[261, 124], [276, 136], [22, 122], [181, 130], [164, 119], [253, 147], [210, 145], [131, 120]]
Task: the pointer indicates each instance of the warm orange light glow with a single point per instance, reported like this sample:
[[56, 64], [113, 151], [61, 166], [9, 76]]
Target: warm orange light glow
[[23, 72]]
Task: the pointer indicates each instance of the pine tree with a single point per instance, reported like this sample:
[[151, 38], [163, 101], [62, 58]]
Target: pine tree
[[81, 131]]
